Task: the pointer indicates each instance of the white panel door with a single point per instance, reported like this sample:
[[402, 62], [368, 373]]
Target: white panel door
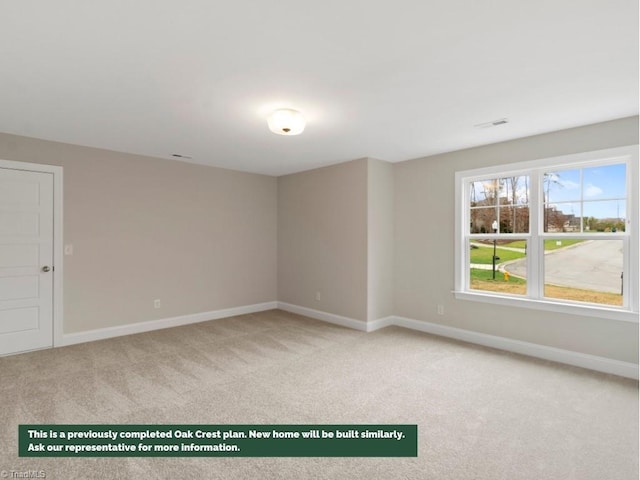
[[26, 260]]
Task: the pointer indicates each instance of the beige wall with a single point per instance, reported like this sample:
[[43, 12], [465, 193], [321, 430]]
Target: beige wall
[[424, 246], [198, 238], [322, 239], [335, 236], [380, 222]]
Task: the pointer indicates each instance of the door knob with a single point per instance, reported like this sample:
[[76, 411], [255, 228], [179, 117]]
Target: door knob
[[46, 269]]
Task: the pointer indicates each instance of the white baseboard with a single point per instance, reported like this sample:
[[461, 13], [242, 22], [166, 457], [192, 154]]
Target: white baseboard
[[374, 325], [591, 362], [324, 316], [130, 329]]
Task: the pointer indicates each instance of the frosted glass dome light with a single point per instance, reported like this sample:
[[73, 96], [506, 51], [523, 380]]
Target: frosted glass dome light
[[286, 122]]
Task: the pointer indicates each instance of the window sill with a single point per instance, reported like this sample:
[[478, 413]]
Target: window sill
[[609, 313]]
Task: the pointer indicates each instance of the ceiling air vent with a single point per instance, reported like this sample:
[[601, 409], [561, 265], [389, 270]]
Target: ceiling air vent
[[493, 123]]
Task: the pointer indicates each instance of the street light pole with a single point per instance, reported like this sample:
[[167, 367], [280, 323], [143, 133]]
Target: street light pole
[[494, 225]]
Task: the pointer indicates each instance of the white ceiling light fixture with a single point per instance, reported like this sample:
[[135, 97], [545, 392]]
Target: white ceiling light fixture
[[286, 121]]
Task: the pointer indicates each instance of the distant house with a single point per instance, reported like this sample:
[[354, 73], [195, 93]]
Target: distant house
[[572, 223]]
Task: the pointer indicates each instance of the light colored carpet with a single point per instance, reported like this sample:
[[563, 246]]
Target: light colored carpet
[[481, 413]]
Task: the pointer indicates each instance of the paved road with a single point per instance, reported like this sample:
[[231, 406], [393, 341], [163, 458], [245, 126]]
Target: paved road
[[592, 265]]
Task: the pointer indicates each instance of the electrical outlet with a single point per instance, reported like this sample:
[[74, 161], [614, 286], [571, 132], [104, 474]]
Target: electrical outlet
[[156, 303], [440, 309], [318, 296]]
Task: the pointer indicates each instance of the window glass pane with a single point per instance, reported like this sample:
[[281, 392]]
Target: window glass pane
[[514, 190], [504, 201], [584, 271], [593, 199], [507, 275], [606, 181], [562, 217], [514, 219], [483, 193], [561, 194], [604, 216], [561, 186], [482, 219], [514, 204]]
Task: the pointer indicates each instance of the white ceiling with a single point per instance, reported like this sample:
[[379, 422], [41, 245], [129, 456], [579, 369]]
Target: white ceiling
[[392, 80]]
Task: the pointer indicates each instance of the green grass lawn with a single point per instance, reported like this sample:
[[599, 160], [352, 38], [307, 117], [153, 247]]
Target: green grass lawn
[[553, 244], [484, 255], [516, 244], [482, 280], [548, 244], [486, 275]]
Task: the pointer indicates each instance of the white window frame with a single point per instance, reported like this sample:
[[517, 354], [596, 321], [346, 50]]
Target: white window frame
[[535, 238]]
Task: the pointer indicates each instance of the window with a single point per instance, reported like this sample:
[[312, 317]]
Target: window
[[557, 234]]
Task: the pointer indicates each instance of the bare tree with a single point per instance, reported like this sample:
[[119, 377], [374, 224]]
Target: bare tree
[[556, 219], [548, 180], [512, 187]]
